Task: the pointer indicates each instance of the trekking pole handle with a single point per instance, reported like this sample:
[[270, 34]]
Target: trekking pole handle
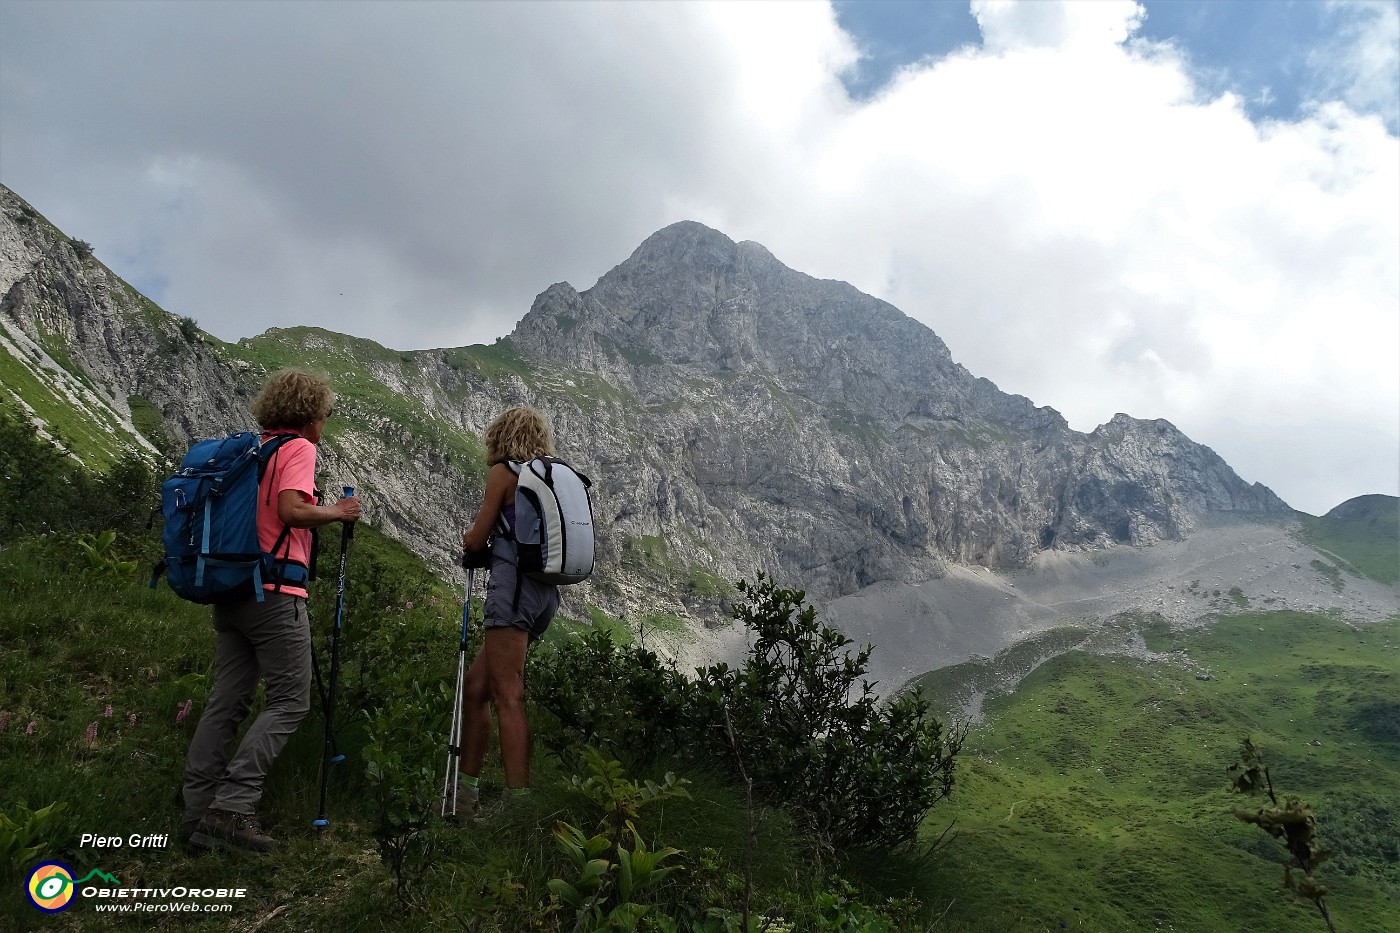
[[346, 493]]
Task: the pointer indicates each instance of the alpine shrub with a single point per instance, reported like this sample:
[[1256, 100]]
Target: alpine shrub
[[620, 697], [796, 718], [811, 734]]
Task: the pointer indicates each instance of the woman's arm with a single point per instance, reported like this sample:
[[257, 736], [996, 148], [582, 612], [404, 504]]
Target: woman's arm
[[500, 483], [294, 511]]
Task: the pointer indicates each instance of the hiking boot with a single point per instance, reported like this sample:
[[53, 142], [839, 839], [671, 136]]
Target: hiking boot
[[240, 830], [193, 837]]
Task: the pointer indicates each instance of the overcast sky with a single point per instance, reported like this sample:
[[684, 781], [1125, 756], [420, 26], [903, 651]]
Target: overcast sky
[[1185, 210]]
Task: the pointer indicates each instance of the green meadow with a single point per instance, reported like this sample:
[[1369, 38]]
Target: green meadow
[[1095, 796], [103, 680], [1091, 794], [1366, 543]]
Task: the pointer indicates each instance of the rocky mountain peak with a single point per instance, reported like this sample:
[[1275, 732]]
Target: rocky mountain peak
[[901, 448], [736, 416], [690, 297]]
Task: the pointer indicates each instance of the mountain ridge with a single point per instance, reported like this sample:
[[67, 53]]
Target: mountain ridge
[[739, 416]]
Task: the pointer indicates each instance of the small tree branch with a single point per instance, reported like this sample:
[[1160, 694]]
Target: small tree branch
[[752, 834]]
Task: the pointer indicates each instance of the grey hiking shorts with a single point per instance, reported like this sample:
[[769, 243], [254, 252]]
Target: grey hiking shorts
[[538, 601]]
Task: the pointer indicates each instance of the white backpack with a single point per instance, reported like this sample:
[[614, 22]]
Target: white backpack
[[553, 521]]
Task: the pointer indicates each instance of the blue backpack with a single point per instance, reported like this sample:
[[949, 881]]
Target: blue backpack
[[212, 554]]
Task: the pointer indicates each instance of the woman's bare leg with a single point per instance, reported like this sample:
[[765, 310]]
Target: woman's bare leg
[[504, 650]]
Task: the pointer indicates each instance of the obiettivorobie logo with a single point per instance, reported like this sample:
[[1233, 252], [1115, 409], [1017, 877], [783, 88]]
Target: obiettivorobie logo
[[51, 886]]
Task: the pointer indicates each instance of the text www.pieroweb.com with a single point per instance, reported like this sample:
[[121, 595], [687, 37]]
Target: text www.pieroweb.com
[[140, 907]]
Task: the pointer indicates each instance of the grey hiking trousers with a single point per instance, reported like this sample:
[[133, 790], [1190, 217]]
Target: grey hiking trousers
[[270, 640]]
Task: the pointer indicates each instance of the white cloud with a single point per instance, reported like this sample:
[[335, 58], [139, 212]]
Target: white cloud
[[1012, 24], [1360, 64], [1065, 206]]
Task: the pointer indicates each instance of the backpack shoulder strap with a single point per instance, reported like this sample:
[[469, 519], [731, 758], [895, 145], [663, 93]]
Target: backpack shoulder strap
[[267, 451], [502, 526], [267, 455]]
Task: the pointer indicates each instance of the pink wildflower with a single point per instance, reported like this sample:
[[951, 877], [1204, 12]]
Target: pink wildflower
[[408, 604], [29, 729], [107, 713], [184, 711], [131, 720], [91, 736]]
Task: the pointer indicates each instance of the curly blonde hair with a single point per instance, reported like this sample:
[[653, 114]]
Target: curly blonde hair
[[518, 434], [292, 398]]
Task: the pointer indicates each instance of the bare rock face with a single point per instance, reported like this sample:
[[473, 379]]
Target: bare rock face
[[736, 416], [60, 298], [812, 431]]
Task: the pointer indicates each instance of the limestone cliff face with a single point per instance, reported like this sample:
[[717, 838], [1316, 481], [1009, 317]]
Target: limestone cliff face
[[71, 306], [802, 427], [736, 416]]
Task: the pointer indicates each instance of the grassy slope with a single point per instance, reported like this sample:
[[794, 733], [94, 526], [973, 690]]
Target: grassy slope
[[72, 644], [1095, 797], [1369, 543], [95, 437], [366, 401]]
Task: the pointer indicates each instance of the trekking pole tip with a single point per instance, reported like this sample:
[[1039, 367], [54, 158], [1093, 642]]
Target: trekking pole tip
[[321, 824], [337, 759]]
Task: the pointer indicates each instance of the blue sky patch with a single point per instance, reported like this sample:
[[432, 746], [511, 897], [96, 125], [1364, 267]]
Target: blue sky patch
[[1258, 51], [1274, 55], [895, 33]]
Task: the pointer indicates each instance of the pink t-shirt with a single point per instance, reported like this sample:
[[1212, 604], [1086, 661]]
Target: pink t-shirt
[[293, 466]]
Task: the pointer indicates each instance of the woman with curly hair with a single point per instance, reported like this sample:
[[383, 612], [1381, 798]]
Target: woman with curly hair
[[268, 639], [518, 610]]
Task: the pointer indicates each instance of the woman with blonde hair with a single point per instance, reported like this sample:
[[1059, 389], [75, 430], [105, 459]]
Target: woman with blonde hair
[[267, 639], [518, 610]]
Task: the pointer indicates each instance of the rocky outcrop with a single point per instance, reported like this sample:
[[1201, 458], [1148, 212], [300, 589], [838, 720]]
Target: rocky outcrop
[[60, 297], [736, 416], [830, 439]]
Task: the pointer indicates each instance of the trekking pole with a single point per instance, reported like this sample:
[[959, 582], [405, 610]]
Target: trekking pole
[[454, 737], [336, 756], [329, 754]]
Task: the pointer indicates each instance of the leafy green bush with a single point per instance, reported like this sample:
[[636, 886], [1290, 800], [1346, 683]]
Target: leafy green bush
[[620, 798], [127, 496], [812, 736], [189, 329], [43, 489], [402, 740], [802, 723], [39, 484], [598, 692], [597, 882]]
